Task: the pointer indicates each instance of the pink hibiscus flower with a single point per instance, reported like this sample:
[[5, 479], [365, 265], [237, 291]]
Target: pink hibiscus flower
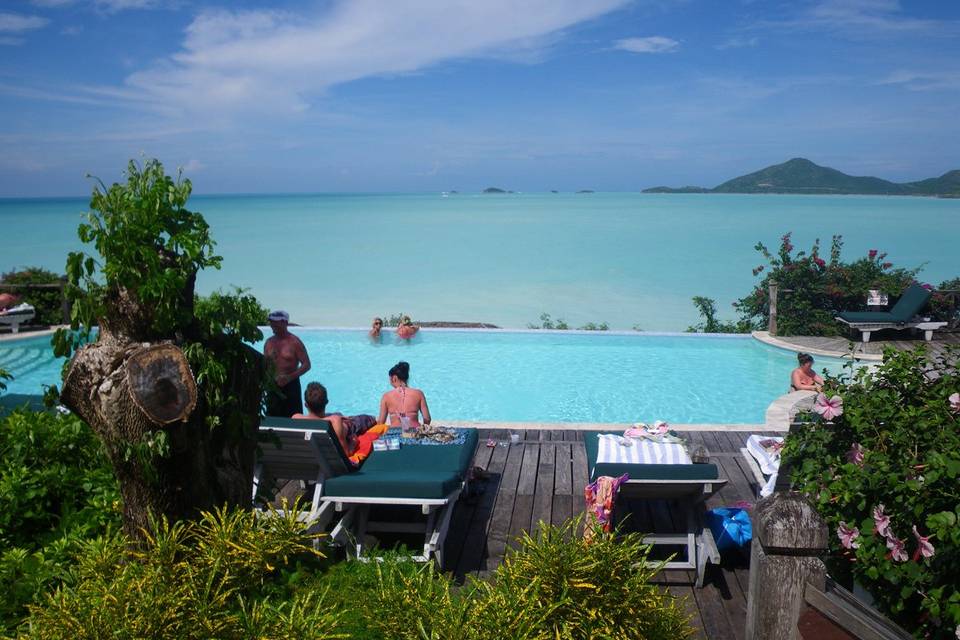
[[828, 408], [924, 548], [881, 521], [855, 455], [954, 402], [848, 537], [897, 550], [872, 254]]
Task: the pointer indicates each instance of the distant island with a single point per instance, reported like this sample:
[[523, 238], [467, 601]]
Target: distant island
[[585, 191], [800, 175], [496, 190]]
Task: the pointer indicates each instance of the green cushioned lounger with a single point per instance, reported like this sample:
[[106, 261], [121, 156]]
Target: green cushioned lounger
[[687, 486]]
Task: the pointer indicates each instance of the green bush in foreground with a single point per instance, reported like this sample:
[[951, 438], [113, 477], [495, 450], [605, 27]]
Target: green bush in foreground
[[233, 574], [240, 575], [56, 489], [885, 475]]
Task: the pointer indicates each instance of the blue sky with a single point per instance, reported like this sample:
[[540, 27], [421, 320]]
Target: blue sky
[[425, 95]]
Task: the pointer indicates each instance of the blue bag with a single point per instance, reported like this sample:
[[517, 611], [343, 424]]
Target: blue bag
[[731, 527]]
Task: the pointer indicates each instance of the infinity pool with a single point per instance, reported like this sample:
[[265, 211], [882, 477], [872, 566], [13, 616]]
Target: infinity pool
[[518, 376]]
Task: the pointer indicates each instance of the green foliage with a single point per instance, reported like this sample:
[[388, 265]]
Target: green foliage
[[47, 302], [708, 311], [56, 488], [4, 375], [548, 323], [150, 249], [232, 574], [813, 289], [945, 302], [150, 245], [594, 326], [901, 420], [555, 585]]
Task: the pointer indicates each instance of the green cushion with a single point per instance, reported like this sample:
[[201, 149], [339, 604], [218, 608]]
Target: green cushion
[[443, 457], [911, 301], [399, 483], [591, 443], [412, 471]]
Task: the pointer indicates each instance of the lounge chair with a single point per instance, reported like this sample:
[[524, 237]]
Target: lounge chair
[[15, 316], [688, 484], [422, 478], [304, 450], [427, 478], [903, 315]]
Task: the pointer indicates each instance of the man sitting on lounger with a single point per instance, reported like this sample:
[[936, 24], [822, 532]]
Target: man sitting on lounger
[[348, 428]]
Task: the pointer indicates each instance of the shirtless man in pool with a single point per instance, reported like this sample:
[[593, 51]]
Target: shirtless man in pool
[[290, 359]]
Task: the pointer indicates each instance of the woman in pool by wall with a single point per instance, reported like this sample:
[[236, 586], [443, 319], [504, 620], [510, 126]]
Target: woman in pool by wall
[[804, 378], [402, 401]]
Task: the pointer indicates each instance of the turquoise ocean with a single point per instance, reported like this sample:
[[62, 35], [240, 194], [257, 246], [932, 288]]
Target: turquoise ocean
[[628, 259]]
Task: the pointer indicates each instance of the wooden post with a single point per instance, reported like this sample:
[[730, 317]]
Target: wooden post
[[789, 537], [772, 323], [64, 303]]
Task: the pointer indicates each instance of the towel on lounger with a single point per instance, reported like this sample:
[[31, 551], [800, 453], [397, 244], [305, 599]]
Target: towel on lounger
[[619, 450], [766, 451]]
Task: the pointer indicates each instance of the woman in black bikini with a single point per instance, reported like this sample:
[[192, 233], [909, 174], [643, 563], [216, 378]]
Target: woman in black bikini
[[402, 401]]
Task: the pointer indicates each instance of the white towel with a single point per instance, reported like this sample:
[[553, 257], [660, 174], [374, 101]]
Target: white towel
[[639, 451], [769, 461]]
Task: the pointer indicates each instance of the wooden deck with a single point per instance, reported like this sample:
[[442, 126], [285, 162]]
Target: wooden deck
[[542, 479]]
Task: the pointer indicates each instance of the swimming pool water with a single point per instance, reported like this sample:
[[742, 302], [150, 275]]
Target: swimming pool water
[[509, 376]]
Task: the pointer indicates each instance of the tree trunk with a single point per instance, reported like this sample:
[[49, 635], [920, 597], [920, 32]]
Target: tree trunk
[[130, 393]]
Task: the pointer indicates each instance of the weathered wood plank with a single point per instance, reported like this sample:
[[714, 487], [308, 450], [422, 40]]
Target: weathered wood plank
[[563, 469], [543, 495], [520, 522]]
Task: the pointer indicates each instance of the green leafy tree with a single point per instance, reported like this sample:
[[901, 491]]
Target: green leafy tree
[[708, 312], [814, 289], [169, 384]]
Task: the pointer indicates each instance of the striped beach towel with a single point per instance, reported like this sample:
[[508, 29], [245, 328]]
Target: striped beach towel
[[617, 449]]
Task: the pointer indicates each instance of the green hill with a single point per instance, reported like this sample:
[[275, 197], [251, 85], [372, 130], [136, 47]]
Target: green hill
[[799, 175]]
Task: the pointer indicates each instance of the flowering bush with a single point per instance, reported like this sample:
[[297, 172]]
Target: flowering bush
[[815, 289], [885, 475]]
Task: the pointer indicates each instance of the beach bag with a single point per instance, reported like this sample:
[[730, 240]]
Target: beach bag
[[731, 528]]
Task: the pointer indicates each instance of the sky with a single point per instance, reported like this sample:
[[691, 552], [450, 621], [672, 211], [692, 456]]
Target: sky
[[436, 95]]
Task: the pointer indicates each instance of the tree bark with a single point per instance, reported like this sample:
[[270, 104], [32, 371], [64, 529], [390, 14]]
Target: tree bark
[[130, 391]]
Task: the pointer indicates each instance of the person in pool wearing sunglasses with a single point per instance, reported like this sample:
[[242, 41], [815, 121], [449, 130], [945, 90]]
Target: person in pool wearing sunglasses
[[375, 329]]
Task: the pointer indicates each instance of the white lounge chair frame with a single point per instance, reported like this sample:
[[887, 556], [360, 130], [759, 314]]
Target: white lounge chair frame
[[350, 531], [14, 318], [697, 539], [304, 454], [310, 455], [866, 328]]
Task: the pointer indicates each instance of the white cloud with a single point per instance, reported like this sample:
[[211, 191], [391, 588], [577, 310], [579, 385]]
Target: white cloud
[[738, 43], [17, 23], [273, 61], [51, 3], [121, 5], [7, 41], [192, 166], [651, 44], [925, 80], [864, 17]]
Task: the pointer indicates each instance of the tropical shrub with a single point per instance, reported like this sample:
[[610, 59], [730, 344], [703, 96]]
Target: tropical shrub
[[945, 302], [4, 376], [814, 289], [885, 475], [56, 489], [232, 574], [47, 302], [555, 585], [707, 308]]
